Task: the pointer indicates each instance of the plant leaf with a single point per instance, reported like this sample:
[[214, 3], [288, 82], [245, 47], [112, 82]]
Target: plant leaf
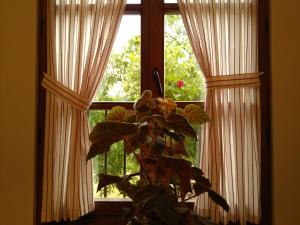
[[179, 111], [117, 113], [218, 199], [195, 114], [197, 173], [106, 133], [165, 207], [175, 136], [163, 203], [169, 167], [146, 102], [175, 147], [105, 180], [180, 125], [131, 143]]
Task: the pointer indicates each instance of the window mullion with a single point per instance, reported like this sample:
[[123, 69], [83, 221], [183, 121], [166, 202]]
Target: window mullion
[[157, 45]]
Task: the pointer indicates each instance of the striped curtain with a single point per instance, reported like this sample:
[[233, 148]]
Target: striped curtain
[[80, 36], [223, 34]]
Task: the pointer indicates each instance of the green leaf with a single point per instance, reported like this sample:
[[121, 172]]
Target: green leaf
[[180, 125], [195, 114], [218, 199], [117, 113], [179, 111], [106, 133]]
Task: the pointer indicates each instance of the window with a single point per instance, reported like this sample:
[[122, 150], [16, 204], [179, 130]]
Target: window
[[151, 15], [151, 51]]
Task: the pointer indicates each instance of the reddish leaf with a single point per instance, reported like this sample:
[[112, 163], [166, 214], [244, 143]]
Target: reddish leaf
[[106, 133], [197, 173], [146, 102], [218, 199], [150, 166], [105, 180], [176, 167], [180, 125], [131, 143], [177, 148]]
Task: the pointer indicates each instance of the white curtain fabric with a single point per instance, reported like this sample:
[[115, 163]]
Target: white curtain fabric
[[223, 34], [80, 38]]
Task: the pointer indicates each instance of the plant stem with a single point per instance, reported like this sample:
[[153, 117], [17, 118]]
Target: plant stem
[[189, 198], [141, 164]]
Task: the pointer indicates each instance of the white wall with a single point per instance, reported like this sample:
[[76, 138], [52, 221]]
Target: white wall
[[17, 111], [285, 60]]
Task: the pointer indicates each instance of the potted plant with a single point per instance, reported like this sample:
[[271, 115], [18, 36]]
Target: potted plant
[[155, 132]]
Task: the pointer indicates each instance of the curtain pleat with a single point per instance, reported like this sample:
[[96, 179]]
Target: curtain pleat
[[223, 34], [80, 38]]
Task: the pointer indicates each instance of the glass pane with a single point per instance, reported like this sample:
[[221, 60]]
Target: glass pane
[[133, 2], [121, 81], [112, 163], [170, 1], [183, 78]]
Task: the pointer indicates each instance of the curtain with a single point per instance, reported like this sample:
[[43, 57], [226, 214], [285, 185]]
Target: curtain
[[223, 34], [80, 36]]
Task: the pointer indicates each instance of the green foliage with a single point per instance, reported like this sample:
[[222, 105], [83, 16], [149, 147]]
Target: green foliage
[[123, 68], [181, 64]]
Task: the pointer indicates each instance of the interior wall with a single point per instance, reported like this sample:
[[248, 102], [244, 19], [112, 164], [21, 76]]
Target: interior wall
[[17, 111], [285, 66]]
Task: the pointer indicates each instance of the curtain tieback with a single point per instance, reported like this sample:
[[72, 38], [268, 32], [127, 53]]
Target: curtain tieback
[[65, 93], [233, 81]]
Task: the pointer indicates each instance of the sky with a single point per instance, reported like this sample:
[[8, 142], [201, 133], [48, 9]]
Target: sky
[[130, 26]]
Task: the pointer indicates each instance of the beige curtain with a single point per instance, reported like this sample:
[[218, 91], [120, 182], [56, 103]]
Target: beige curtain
[[223, 34], [80, 38]]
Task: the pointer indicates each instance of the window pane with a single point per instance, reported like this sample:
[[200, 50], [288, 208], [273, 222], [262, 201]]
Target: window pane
[[183, 78], [133, 2], [121, 81], [112, 163]]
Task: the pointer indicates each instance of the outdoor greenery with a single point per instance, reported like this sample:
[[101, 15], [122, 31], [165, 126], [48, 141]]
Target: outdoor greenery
[[154, 134], [180, 65], [183, 82]]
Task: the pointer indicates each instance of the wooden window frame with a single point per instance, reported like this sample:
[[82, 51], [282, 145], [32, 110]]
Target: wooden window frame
[[109, 212]]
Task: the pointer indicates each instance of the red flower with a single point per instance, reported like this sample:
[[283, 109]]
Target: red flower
[[180, 83]]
